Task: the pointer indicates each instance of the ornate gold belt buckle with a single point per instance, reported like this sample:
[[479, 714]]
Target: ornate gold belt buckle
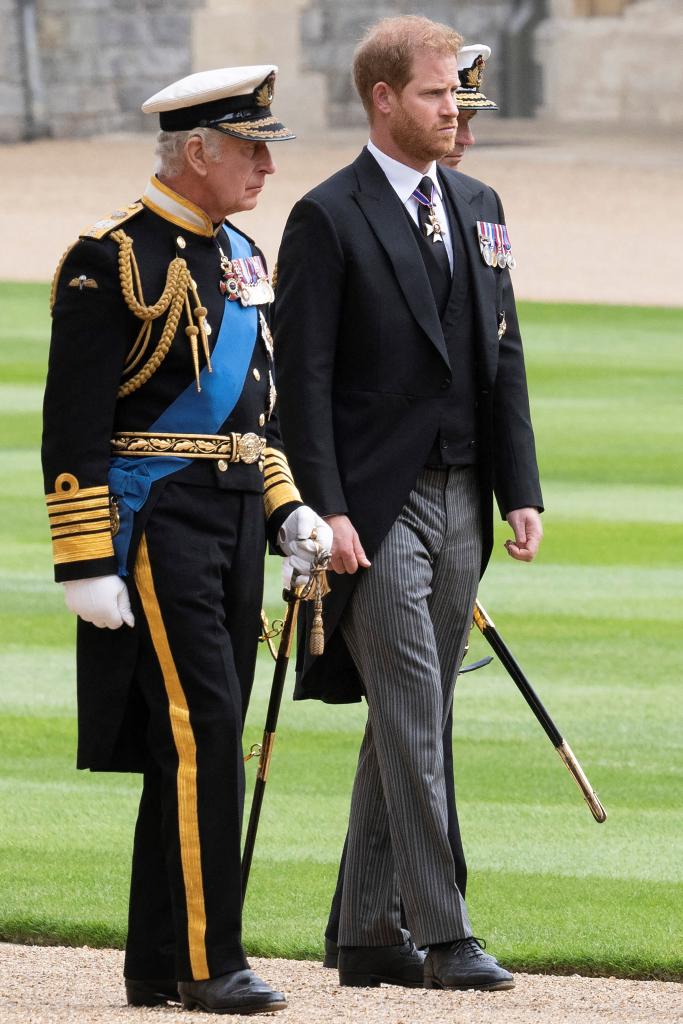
[[249, 447]]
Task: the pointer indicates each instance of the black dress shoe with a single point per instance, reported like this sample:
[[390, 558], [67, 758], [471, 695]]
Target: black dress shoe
[[464, 964], [236, 992], [331, 953], [369, 966], [151, 991]]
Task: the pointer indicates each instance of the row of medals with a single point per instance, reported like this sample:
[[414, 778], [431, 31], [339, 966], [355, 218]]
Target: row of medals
[[494, 244], [246, 280]]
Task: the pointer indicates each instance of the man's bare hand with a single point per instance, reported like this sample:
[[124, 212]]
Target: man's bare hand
[[347, 550], [526, 524]]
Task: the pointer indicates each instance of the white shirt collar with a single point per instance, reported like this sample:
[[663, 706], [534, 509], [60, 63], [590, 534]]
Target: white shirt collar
[[403, 179]]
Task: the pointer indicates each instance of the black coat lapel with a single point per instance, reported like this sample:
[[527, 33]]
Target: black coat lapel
[[467, 203], [382, 210]]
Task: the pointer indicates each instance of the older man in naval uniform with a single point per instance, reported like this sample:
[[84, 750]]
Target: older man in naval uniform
[[392, 297], [164, 474]]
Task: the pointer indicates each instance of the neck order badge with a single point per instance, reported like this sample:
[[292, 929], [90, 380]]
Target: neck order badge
[[426, 214]]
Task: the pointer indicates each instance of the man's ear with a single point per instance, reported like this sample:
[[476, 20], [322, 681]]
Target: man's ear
[[383, 97], [195, 154]]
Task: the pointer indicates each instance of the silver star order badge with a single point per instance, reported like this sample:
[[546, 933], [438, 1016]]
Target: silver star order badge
[[433, 228], [266, 335], [272, 395]]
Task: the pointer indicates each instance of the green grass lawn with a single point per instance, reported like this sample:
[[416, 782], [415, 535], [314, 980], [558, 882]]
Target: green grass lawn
[[596, 622]]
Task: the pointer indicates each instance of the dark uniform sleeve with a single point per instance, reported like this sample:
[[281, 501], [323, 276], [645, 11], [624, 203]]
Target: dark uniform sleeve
[[90, 338], [280, 494], [516, 480], [307, 306]]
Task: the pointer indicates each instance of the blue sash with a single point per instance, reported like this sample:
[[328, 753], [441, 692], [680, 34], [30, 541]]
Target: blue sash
[[192, 412]]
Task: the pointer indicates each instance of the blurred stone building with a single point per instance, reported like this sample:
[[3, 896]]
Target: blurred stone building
[[616, 61], [79, 67]]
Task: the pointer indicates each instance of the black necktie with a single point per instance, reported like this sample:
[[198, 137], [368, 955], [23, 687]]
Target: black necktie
[[429, 225]]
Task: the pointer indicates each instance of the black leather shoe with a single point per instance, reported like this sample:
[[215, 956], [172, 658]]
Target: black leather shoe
[[370, 966], [464, 964], [236, 992], [151, 991], [331, 953]]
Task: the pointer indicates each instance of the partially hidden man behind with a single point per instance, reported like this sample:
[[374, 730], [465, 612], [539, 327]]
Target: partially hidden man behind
[[159, 431], [403, 405], [470, 99]]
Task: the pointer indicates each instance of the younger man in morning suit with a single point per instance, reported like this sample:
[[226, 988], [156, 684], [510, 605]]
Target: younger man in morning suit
[[472, 61], [163, 472], [415, 410]]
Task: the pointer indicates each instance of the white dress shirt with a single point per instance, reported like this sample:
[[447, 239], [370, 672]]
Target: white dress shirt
[[404, 180]]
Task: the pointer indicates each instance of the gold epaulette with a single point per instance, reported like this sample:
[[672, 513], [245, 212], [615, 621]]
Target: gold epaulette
[[278, 484], [101, 228]]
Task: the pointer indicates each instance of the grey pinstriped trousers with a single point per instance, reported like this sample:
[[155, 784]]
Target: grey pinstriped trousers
[[406, 626]]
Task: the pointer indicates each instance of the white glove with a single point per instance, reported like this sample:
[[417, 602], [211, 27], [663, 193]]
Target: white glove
[[295, 533], [102, 600], [295, 571]]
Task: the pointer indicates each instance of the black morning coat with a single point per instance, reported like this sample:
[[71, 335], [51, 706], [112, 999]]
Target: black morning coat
[[92, 332], [361, 363]]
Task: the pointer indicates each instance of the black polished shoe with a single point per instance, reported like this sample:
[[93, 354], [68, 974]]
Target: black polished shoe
[[464, 964], [370, 966], [151, 991], [236, 992], [331, 953]]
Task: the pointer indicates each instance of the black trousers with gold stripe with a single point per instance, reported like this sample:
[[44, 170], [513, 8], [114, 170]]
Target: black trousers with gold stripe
[[197, 592]]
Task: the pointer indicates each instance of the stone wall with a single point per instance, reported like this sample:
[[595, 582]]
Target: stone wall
[[619, 69], [12, 88], [269, 33], [98, 60], [330, 30]]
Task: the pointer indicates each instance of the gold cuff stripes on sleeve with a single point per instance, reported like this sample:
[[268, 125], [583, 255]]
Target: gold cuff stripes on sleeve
[[278, 484], [80, 521]]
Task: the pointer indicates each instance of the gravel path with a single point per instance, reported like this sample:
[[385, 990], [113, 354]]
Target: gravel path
[[52, 985]]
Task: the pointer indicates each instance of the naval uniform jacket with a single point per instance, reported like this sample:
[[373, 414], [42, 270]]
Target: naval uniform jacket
[[92, 336], [362, 366]]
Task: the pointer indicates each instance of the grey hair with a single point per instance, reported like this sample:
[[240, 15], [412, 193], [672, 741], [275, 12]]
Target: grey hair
[[170, 149]]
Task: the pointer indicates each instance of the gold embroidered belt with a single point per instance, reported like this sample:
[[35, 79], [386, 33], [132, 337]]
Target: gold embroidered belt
[[231, 447]]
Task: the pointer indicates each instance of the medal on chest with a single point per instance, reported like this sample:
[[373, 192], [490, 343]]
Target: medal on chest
[[494, 245], [245, 280], [272, 395], [266, 335]]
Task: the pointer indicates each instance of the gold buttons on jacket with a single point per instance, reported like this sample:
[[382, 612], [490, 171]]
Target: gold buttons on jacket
[[180, 242], [262, 419], [222, 465], [256, 375]]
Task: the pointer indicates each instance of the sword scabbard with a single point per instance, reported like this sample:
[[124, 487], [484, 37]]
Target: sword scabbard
[[576, 771]]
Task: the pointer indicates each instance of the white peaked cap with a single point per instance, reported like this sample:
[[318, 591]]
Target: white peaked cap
[[471, 63], [468, 54], [235, 101], [205, 86]]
